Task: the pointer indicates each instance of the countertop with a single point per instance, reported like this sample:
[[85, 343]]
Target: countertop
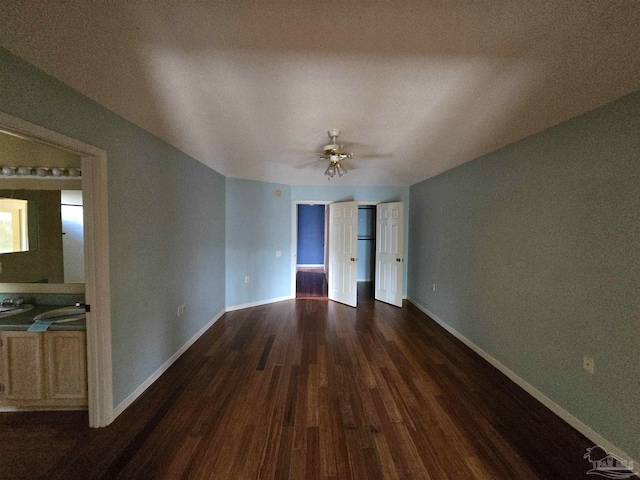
[[24, 320]]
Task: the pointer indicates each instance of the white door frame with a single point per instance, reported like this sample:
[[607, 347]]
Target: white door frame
[[96, 255], [294, 237]]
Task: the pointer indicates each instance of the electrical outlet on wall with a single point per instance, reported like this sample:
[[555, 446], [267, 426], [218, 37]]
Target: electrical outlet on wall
[[246, 279], [434, 287], [588, 363]]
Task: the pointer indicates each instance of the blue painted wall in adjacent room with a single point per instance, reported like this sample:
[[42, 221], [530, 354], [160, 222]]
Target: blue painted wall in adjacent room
[[311, 234]]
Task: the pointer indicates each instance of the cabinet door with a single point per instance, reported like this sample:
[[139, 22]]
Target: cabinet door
[[22, 356], [66, 367]]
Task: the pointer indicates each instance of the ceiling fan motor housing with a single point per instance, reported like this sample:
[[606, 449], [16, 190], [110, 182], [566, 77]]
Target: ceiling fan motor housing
[[333, 147]]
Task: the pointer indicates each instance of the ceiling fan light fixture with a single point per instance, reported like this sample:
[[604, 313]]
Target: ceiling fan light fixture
[[333, 153], [331, 171]]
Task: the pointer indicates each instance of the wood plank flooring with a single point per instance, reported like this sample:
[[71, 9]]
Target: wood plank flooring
[[305, 389], [311, 283]]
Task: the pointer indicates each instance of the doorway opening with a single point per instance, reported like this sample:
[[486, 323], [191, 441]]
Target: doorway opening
[[96, 260], [310, 265], [366, 239]]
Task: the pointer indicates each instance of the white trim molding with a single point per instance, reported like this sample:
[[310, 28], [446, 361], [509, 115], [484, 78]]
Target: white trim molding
[[258, 303], [581, 427], [122, 406], [97, 288]]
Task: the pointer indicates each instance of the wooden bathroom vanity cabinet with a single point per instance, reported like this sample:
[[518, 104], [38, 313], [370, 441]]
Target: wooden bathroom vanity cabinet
[[43, 370]]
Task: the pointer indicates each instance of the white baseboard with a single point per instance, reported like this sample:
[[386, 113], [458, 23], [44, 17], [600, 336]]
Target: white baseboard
[[163, 368], [310, 265], [258, 303], [583, 428]]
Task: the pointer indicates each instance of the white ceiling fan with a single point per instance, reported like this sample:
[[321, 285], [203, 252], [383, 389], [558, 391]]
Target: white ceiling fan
[[333, 153]]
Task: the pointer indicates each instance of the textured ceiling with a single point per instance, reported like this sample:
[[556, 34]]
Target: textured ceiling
[[417, 87]]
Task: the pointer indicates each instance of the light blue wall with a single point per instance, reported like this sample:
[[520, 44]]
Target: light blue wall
[[346, 193], [258, 224], [166, 220], [535, 250]]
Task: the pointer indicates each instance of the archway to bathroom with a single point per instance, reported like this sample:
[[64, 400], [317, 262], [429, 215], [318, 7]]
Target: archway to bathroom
[[96, 261]]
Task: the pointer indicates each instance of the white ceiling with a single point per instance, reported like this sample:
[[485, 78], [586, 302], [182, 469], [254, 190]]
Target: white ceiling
[[250, 88]]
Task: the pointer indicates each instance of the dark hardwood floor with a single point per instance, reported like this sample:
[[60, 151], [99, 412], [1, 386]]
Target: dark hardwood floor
[[305, 389], [311, 283]]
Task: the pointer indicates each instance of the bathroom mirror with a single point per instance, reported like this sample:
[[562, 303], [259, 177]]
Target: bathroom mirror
[[46, 245]]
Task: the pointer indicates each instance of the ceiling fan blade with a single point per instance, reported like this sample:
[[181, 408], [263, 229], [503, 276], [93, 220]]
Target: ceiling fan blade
[[300, 151], [356, 146], [349, 165], [374, 155]]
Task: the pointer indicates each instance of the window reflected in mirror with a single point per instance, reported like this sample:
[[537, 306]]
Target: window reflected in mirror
[[14, 236]]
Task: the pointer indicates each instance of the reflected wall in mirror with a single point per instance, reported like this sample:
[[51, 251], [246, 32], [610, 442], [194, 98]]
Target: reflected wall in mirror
[[41, 220]]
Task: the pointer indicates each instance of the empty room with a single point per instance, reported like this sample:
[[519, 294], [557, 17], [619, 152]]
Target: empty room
[[306, 240]]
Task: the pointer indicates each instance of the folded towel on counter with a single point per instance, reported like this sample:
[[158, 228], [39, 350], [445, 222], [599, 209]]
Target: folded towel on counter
[[41, 325]]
